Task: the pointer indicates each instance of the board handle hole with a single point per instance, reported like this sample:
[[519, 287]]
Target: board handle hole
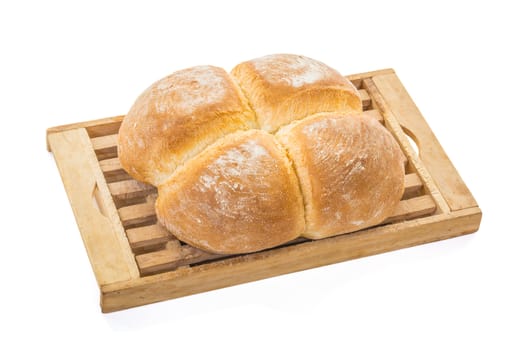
[[98, 203], [412, 139]]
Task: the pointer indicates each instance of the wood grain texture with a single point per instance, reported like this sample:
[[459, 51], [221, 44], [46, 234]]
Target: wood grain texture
[[101, 230], [252, 267], [357, 79], [365, 98], [444, 174], [413, 159], [129, 189], [172, 256], [413, 185], [97, 127], [147, 236], [137, 214]]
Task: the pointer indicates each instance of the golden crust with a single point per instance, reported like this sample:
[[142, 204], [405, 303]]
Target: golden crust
[[283, 88], [239, 195], [227, 189], [350, 169], [176, 118]]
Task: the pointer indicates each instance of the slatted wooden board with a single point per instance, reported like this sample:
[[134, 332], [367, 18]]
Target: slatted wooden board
[[136, 261]]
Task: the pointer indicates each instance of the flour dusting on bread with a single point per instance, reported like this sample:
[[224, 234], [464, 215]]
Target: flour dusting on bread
[[350, 170], [190, 89], [283, 88], [276, 150], [178, 117], [238, 192], [299, 70]]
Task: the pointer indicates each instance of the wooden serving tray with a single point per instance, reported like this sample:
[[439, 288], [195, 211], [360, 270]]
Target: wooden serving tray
[[137, 262]]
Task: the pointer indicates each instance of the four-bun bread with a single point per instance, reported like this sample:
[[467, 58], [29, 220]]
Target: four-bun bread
[[275, 151]]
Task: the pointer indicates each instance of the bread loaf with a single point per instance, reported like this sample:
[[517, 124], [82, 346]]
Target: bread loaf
[[275, 151]]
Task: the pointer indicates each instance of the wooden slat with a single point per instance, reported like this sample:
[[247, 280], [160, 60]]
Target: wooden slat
[[105, 146], [110, 128], [137, 214], [162, 260], [173, 256], [192, 255], [97, 127], [365, 98], [129, 189], [274, 262], [110, 165], [444, 174], [112, 170], [147, 236], [413, 208], [413, 185], [104, 238], [104, 142], [357, 79]]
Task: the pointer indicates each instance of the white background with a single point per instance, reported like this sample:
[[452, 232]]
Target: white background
[[64, 62]]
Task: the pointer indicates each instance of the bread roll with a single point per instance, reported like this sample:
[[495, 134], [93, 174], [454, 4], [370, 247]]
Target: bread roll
[[350, 169], [176, 118], [277, 152], [282, 88], [239, 195]]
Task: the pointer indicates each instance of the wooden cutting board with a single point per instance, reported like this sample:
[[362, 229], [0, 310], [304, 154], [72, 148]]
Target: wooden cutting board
[[137, 262]]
